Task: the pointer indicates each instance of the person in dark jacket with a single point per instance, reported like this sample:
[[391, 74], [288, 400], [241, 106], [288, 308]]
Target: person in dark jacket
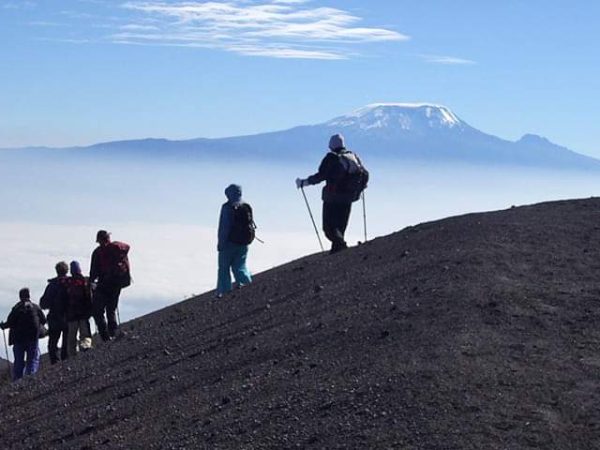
[[106, 284], [55, 301], [25, 321], [337, 199], [232, 256], [79, 311]]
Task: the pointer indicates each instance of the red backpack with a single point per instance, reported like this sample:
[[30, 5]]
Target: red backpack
[[120, 269], [80, 301]]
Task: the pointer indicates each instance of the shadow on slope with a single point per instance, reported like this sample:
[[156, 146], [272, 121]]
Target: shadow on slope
[[477, 331]]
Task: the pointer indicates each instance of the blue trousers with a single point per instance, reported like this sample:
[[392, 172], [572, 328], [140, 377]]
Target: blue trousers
[[232, 259], [29, 367]]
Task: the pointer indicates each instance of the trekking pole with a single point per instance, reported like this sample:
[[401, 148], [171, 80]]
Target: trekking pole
[[259, 240], [312, 219], [6, 351], [364, 205], [118, 317]]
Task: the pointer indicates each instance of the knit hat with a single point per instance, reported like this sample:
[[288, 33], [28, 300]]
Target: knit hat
[[337, 142], [75, 268], [24, 294], [233, 193]]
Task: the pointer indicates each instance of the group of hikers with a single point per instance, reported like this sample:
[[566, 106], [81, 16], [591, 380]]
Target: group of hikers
[[72, 300]]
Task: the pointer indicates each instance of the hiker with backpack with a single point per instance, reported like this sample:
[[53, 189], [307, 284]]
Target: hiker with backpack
[[26, 322], [55, 301], [236, 233], [79, 311], [346, 178], [109, 274]]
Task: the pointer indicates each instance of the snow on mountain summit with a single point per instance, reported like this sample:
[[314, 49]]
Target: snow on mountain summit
[[403, 116]]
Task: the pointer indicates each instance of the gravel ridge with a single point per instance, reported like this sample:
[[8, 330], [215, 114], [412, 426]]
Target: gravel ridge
[[478, 331]]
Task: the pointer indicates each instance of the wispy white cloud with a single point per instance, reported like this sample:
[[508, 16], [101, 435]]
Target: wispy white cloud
[[273, 28], [21, 4], [44, 23], [449, 60], [138, 27]]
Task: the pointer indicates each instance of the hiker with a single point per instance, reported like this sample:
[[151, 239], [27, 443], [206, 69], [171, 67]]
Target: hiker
[[55, 301], [346, 177], [236, 233], [79, 311], [26, 322], [109, 273]]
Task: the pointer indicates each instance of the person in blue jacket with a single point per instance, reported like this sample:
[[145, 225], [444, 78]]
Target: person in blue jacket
[[236, 232]]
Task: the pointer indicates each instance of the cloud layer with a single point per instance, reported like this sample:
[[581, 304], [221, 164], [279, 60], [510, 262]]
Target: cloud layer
[[448, 60], [170, 262], [276, 28]]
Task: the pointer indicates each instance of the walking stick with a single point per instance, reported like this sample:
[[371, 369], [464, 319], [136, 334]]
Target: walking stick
[[364, 204], [6, 351], [118, 317], [312, 218]]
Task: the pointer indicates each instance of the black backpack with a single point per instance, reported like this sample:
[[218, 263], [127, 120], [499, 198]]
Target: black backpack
[[27, 320], [355, 176], [243, 227]]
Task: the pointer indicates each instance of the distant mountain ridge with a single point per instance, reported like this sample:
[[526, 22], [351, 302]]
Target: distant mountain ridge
[[399, 131]]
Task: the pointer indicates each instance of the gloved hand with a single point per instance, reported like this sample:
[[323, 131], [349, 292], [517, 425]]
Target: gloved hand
[[3, 325], [300, 183]]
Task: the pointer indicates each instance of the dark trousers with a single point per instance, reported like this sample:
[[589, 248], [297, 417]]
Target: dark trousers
[[106, 301], [335, 222], [54, 335]]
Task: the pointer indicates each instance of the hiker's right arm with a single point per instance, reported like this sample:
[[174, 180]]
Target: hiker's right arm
[[9, 320], [324, 170]]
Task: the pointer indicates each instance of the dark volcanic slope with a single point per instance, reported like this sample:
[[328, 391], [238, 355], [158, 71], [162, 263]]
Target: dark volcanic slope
[[475, 332]]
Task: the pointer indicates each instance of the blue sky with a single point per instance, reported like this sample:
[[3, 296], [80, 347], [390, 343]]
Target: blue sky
[[83, 71]]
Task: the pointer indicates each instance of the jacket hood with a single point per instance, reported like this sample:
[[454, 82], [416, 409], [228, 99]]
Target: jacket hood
[[234, 193]]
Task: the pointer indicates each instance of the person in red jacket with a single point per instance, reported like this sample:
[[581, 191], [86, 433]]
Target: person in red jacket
[[109, 273], [79, 311]]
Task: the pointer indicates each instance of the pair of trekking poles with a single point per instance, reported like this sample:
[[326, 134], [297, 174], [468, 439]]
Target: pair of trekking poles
[[364, 206]]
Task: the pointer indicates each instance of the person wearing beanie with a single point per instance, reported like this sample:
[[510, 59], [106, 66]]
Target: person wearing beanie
[[55, 301], [26, 323], [79, 311], [236, 233], [345, 178]]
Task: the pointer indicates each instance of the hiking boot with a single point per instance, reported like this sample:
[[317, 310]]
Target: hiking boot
[[338, 247]]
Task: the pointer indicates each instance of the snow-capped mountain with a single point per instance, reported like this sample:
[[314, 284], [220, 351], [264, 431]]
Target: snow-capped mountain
[[408, 117], [395, 131]]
